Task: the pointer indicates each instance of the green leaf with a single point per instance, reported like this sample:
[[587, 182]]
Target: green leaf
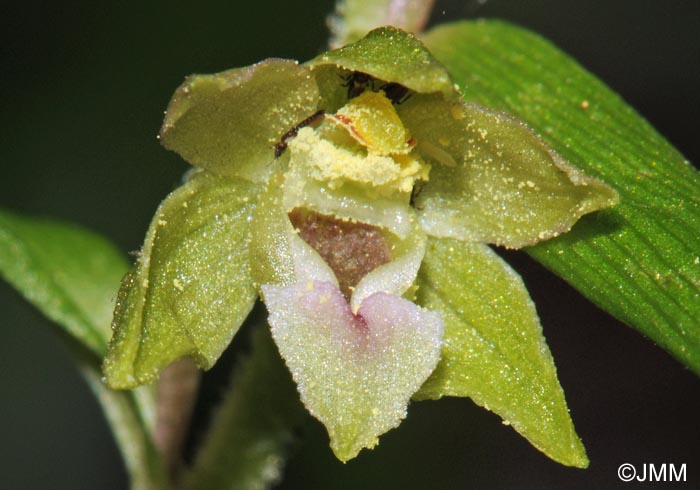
[[639, 261], [355, 18], [229, 122], [72, 276], [247, 442], [355, 372], [68, 273], [493, 180], [191, 288], [392, 55], [493, 350]]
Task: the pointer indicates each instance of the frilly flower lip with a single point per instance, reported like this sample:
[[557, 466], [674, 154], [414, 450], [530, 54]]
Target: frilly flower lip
[[356, 372], [357, 350], [325, 186]]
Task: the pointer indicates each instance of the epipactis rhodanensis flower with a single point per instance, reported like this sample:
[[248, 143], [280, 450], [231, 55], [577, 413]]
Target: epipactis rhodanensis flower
[[356, 194]]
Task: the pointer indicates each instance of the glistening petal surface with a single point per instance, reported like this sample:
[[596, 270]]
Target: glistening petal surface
[[639, 261], [229, 122], [392, 55], [355, 374], [494, 351], [191, 288], [493, 180]]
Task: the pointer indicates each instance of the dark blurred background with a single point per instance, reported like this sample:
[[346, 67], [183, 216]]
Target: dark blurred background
[[82, 91]]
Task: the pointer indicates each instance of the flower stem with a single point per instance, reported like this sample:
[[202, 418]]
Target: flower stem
[[249, 435], [130, 432], [176, 395]]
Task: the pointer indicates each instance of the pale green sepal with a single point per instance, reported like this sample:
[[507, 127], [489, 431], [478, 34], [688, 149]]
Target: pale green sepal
[[229, 122], [493, 350], [493, 180], [191, 288], [355, 18], [68, 273], [392, 55], [355, 373]]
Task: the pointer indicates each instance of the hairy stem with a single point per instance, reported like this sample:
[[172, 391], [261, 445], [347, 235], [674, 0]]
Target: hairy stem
[[176, 396], [247, 442]]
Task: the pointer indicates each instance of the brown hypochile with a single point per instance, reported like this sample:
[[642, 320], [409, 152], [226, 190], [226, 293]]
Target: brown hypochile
[[351, 249]]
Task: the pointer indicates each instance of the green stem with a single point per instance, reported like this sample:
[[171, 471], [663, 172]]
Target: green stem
[[130, 432], [129, 416], [249, 435]]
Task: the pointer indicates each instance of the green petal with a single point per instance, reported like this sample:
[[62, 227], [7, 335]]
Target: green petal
[[278, 255], [351, 200], [229, 122], [494, 180], [493, 350], [68, 273], [388, 54], [395, 277], [191, 288]]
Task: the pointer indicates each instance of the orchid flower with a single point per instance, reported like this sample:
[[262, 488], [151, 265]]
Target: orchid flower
[[356, 195]]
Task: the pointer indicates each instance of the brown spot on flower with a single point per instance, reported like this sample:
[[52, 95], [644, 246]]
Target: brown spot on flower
[[352, 250]]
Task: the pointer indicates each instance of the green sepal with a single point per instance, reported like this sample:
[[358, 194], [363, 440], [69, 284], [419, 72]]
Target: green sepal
[[640, 261], [191, 288], [493, 349], [392, 55], [229, 122], [68, 273], [493, 180]]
